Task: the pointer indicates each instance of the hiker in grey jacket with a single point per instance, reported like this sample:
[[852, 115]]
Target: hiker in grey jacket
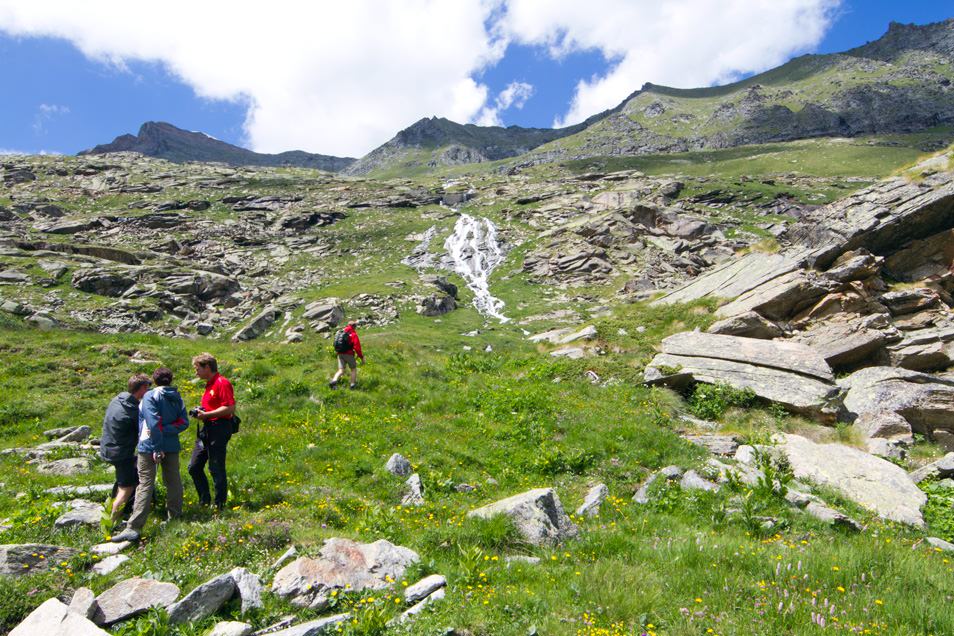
[[118, 442], [162, 416]]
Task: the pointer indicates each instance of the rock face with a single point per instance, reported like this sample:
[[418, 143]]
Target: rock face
[[788, 373], [869, 481], [925, 401], [26, 558], [52, 618], [537, 514], [341, 563], [436, 305], [203, 601], [258, 325], [132, 597]]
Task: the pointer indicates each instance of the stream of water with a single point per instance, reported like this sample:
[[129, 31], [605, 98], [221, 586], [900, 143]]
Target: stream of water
[[474, 253]]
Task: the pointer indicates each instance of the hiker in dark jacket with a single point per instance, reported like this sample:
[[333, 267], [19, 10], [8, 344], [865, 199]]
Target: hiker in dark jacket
[[347, 346], [162, 416], [118, 443]]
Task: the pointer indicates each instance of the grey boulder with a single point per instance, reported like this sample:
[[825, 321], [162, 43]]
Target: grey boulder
[[203, 601], [537, 514], [925, 401], [27, 558], [131, 597], [53, 618], [258, 325]]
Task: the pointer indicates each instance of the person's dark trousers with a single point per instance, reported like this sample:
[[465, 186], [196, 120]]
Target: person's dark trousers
[[211, 450]]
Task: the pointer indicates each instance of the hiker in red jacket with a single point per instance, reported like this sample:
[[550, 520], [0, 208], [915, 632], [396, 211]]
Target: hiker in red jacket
[[347, 346]]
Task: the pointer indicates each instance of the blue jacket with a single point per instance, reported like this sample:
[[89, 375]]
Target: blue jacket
[[162, 416]]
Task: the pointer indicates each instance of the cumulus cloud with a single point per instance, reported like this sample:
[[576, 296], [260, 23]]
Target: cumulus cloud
[[682, 43], [45, 113], [515, 95], [337, 78], [343, 77]]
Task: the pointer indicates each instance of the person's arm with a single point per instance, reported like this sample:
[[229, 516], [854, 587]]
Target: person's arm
[[182, 419], [357, 345], [153, 419], [226, 410]]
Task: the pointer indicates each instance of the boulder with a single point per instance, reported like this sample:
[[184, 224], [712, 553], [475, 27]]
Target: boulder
[[131, 597], [66, 467], [424, 588], [414, 495], [105, 282], [842, 344], [68, 434], [67, 492], [398, 465], [746, 325], [733, 278], [593, 500], [342, 563], [852, 266], [669, 473], [781, 297], [571, 353], [109, 548], [248, 586], [831, 516], [442, 284], [53, 618], [27, 558], [436, 305], [909, 301], [83, 602], [940, 544], [258, 325], [203, 601], [326, 310], [725, 445], [537, 514], [419, 607], [869, 481], [925, 401], [694, 481], [884, 425], [788, 373]]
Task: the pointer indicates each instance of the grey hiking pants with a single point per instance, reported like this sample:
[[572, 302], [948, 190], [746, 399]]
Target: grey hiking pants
[[147, 484]]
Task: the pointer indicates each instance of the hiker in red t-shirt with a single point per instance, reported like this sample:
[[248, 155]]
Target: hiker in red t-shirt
[[347, 346], [215, 431]]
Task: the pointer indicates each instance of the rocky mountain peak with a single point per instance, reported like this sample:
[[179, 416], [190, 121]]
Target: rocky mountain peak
[[902, 38]]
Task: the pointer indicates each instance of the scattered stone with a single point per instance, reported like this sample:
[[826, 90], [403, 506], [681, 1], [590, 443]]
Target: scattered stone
[[81, 513], [131, 597], [537, 514], [669, 473], [67, 492], [415, 491], [27, 558], [746, 325], [284, 558], [694, 481], [342, 563], [940, 544], [327, 311], [66, 467], [53, 618], [593, 500], [83, 603], [940, 469], [869, 481], [110, 548], [424, 588], [203, 601], [315, 627], [831, 516], [68, 434], [419, 607], [887, 448], [398, 465], [110, 564], [231, 628], [573, 353], [725, 445], [248, 586], [521, 558], [258, 325]]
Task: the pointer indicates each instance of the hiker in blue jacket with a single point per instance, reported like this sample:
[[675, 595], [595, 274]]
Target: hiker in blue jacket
[[162, 417]]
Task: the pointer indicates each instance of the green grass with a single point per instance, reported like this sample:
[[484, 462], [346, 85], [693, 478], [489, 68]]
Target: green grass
[[308, 465]]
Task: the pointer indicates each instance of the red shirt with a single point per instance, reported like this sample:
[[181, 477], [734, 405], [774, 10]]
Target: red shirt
[[355, 342], [218, 392]]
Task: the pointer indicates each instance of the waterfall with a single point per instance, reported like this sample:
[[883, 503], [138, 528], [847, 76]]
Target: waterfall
[[474, 252]]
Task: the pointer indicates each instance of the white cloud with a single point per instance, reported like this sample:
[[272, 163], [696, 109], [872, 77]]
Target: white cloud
[[682, 43], [342, 78], [515, 95], [334, 78], [45, 113]]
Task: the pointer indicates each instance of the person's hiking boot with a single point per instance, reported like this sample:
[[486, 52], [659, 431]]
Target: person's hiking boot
[[333, 384], [126, 535], [352, 386]]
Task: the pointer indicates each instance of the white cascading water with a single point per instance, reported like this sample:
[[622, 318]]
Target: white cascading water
[[474, 253]]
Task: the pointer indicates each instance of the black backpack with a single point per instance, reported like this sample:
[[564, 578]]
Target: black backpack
[[343, 342]]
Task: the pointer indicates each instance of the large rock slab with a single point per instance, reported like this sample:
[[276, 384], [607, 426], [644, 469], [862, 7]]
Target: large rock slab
[[66, 467], [843, 344], [81, 513], [203, 601], [258, 325], [248, 586], [53, 618], [940, 469], [537, 514], [869, 481], [781, 297], [314, 628], [342, 563], [788, 373], [925, 401], [733, 278], [26, 558], [132, 597]]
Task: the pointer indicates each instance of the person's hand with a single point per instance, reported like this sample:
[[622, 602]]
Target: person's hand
[[157, 457], [202, 415], [362, 360]]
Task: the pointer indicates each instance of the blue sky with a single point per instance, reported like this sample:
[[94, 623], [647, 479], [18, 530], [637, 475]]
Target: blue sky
[[56, 99]]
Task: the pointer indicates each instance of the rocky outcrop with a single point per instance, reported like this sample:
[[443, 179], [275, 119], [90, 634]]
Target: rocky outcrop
[[537, 514], [258, 325], [786, 373], [27, 558], [869, 481], [924, 401]]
